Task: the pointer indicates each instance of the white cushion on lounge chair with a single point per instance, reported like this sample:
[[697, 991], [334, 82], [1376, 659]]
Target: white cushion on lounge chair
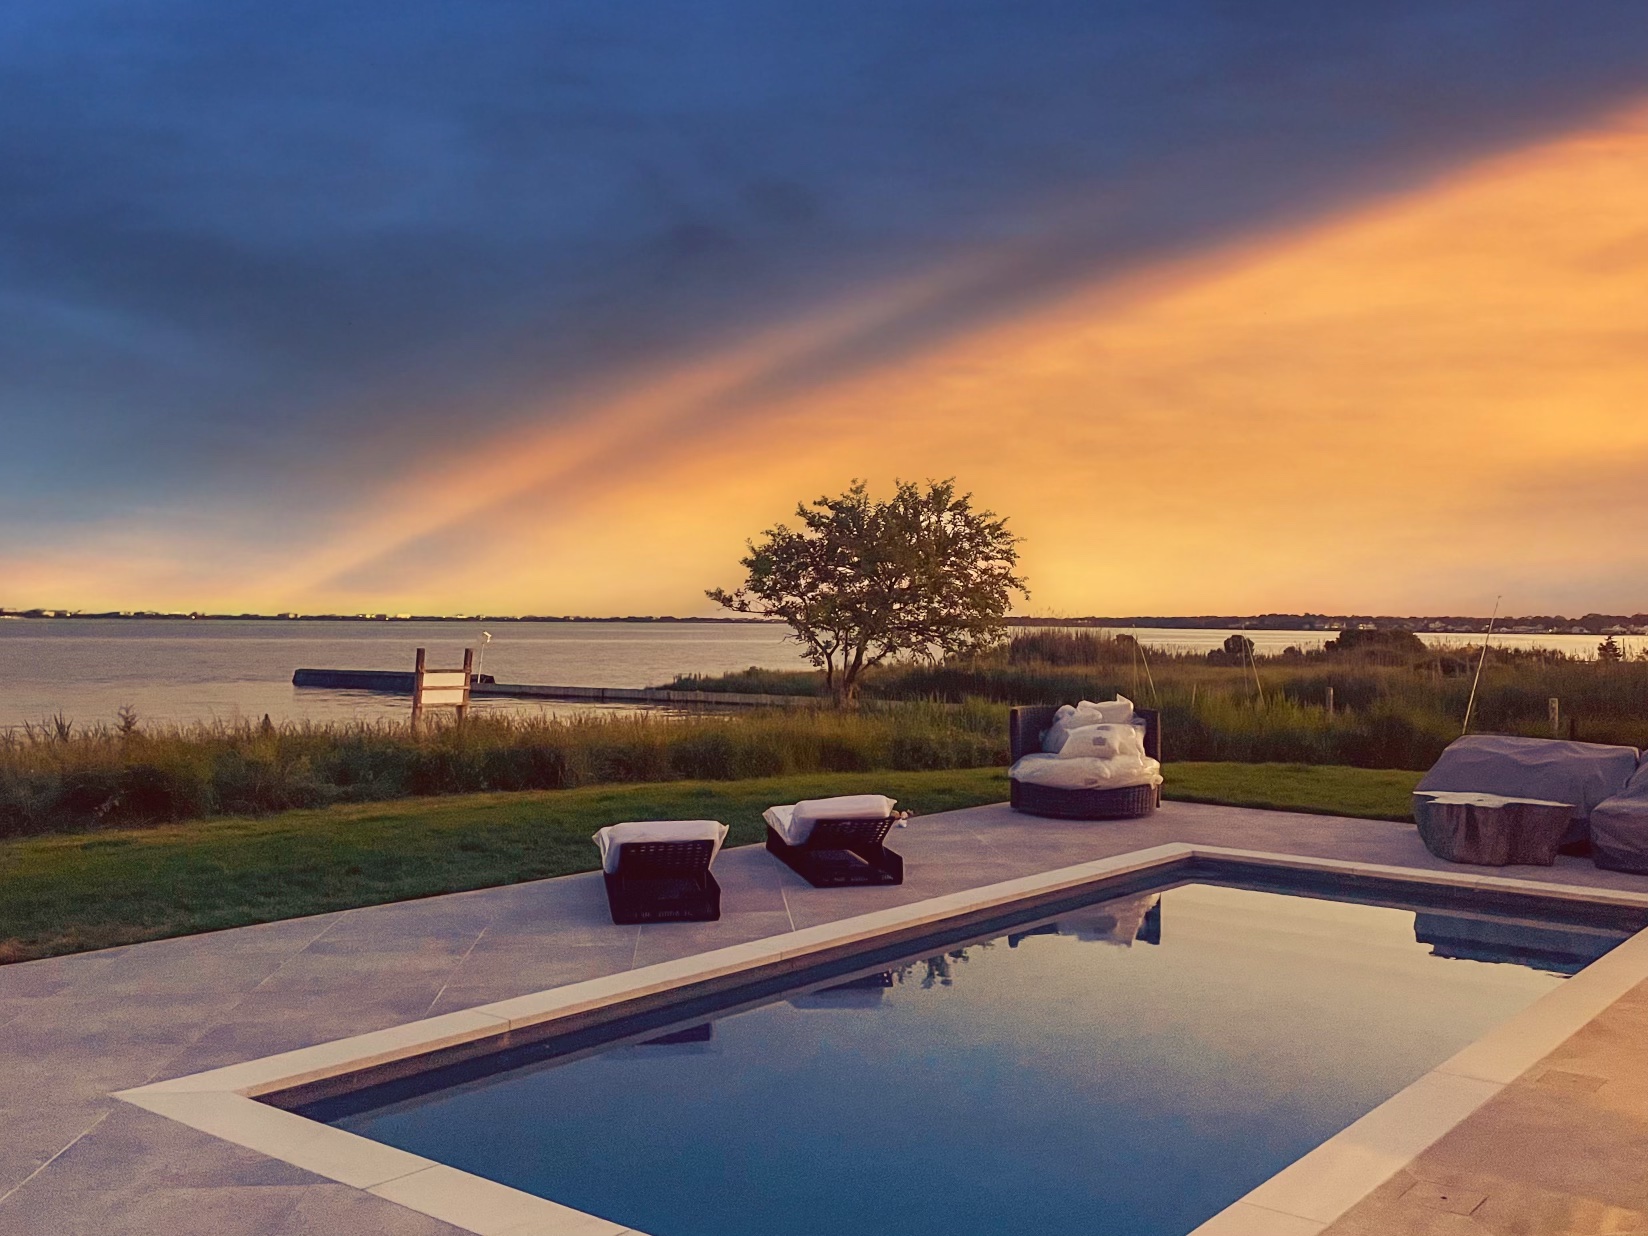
[[795, 823], [612, 836], [1102, 742]]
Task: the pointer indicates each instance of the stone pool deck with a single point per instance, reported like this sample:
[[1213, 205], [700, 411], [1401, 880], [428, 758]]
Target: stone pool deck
[[1563, 1150]]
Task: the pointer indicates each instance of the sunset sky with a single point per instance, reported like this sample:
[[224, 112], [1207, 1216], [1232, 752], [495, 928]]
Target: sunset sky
[[546, 308]]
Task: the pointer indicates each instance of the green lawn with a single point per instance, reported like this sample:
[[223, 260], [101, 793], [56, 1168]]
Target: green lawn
[[63, 894], [1368, 793]]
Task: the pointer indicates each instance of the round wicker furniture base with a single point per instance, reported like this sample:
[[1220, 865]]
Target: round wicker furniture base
[[1064, 804]]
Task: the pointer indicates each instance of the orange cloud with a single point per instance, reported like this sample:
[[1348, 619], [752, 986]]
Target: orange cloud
[[1414, 406]]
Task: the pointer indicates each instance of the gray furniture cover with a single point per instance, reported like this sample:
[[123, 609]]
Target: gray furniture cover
[[1552, 769], [1619, 826]]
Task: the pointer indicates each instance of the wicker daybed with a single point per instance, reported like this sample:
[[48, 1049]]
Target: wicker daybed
[[1025, 728]]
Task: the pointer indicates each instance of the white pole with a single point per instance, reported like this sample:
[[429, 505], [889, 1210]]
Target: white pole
[[1253, 665], [1149, 677], [1482, 660]]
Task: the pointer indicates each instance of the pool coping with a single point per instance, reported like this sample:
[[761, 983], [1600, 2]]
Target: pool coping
[[1299, 1200]]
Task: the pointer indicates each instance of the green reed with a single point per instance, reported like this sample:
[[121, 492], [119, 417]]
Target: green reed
[[65, 776]]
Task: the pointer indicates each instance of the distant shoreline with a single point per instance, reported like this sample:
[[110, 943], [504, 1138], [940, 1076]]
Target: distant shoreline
[[76, 616], [1543, 624]]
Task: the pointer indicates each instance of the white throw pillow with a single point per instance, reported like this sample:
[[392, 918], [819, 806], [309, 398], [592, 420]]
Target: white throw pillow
[[1118, 711], [1053, 740], [1102, 742]]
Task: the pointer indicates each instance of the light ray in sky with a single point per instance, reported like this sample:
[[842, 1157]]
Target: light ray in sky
[[1329, 417]]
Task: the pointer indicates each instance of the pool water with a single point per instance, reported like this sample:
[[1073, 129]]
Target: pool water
[[1131, 1068]]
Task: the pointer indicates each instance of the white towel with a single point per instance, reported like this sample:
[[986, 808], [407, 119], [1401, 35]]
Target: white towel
[[612, 836], [795, 823], [1086, 772]]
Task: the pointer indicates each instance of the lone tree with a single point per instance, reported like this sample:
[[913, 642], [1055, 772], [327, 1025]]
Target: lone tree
[[922, 575]]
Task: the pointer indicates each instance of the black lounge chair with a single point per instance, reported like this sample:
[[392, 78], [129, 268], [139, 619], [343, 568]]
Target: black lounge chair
[[1025, 727], [663, 881], [842, 852]]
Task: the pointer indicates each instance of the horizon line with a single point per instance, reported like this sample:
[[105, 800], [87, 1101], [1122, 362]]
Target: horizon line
[[1270, 619]]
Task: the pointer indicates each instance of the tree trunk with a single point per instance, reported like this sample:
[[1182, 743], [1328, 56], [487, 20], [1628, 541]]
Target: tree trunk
[[846, 692]]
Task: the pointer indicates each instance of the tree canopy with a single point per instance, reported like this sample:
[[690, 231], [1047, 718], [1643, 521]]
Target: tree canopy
[[1396, 643], [922, 574]]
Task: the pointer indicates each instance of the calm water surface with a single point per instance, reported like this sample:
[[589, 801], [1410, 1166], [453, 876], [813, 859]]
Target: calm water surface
[[1072, 1078], [181, 671], [200, 671]]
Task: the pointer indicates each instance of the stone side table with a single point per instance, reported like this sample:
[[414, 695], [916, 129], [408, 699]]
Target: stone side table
[[1488, 829]]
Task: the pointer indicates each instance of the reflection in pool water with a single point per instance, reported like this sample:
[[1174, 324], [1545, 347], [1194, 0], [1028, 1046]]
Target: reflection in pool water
[[1131, 1068]]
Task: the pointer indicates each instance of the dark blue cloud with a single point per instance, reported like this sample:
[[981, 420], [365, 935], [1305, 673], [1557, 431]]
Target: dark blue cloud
[[283, 245]]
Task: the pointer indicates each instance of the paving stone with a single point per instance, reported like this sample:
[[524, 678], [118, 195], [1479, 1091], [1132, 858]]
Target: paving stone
[[1561, 1079], [1519, 1209], [1409, 1221], [505, 975], [328, 1209], [1545, 1162], [810, 906], [751, 880], [1441, 1197], [669, 941], [1614, 1048], [38, 1128], [541, 930], [1559, 1140], [139, 1173], [51, 976]]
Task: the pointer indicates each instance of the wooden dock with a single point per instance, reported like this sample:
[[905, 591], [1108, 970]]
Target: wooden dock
[[394, 682]]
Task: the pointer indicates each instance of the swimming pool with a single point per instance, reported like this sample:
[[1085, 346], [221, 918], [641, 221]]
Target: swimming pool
[[1132, 1066]]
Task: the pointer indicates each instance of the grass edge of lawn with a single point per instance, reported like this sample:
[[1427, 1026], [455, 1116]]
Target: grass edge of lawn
[[105, 889]]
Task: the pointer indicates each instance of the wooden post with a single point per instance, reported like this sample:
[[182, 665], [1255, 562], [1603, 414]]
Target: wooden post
[[417, 689], [468, 671], [1330, 701], [1554, 707]]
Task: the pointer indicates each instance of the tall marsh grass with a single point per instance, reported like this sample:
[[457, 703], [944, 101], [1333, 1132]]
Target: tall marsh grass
[[1388, 710], [1394, 703], [60, 776]]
